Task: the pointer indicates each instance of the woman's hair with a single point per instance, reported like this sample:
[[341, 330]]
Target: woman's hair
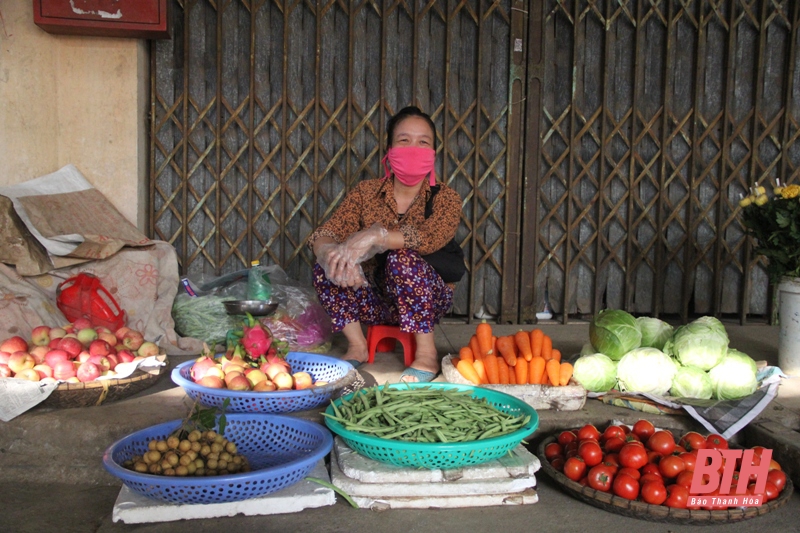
[[400, 116]]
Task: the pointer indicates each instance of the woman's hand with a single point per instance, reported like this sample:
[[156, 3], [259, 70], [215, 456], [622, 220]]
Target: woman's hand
[[337, 263], [366, 243]]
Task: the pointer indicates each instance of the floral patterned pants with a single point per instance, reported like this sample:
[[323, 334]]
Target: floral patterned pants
[[407, 292]]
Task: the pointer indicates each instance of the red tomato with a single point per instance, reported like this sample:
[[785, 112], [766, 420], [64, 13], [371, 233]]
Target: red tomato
[[584, 481], [626, 487], [613, 444], [633, 456], [653, 457], [654, 492], [677, 496], [757, 451], [646, 478], [565, 437], [678, 449], [670, 466], [643, 429], [557, 462], [777, 478], [716, 442], [588, 432], [773, 465], [662, 442], [612, 458], [575, 468], [613, 468], [684, 479], [651, 468], [693, 441], [635, 474], [690, 460], [600, 478], [613, 431], [771, 491], [553, 449], [631, 438], [591, 453]]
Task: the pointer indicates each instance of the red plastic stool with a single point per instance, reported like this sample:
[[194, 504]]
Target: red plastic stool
[[384, 339]]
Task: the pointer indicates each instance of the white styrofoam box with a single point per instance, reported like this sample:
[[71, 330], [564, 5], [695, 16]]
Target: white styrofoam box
[[133, 508], [527, 497], [519, 463]]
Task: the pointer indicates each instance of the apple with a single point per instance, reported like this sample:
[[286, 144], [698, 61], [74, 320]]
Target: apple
[[101, 361], [302, 380], [73, 379], [230, 376], [125, 356], [147, 349], [19, 361], [28, 374], [98, 347], [63, 370], [38, 353], [108, 337], [320, 383], [283, 381], [102, 329], [255, 376], [264, 386], [133, 340], [81, 323], [70, 345], [112, 360], [52, 356], [57, 333], [83, 356], [86, 335], [44, 371], [273, 369], [120, 333], [4, 358], [212, 382], [54, 343], [5, 372], [232, 368], [88, 371], [40, 336], [216, 370], [199, 368], [48, 380], [14, 344], [239, 382]]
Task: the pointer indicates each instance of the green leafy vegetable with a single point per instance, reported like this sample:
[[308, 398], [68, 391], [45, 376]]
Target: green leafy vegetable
[[614, 332]]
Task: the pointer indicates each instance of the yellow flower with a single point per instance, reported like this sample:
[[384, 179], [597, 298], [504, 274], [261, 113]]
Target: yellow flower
[[791, 191], [761, 200], [744, 202]]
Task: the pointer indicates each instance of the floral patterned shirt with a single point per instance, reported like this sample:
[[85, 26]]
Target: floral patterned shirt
[[373, 201]]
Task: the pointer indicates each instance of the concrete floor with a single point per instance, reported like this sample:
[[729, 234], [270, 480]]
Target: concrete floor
[[51, 478]]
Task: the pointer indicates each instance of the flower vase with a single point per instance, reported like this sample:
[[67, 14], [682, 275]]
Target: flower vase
[[789, 320]]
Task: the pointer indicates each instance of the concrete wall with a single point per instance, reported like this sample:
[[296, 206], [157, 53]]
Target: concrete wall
[[80, 100]]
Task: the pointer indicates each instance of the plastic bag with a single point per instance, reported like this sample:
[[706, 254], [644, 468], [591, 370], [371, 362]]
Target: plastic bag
[[299, 320]]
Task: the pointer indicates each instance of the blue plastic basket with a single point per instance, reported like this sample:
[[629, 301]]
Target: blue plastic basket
[[321, 367], [280, 450]]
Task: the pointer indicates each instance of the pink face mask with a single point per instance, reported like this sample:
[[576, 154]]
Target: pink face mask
[[410, 164]]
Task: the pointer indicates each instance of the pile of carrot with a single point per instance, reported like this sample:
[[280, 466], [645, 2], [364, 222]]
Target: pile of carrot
[[524, 358]]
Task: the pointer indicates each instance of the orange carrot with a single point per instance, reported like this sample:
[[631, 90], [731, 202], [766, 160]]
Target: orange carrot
[[547, 348], [455, 361], [512, 376], [466, 369], [535, 370], [537, 336], [523, 342], [492, 371], [553, 369], [481, 370], [476, 350], [484, 334], [556, 354], [466, 354], [494, 345], [502, 370], [505, 345], [521, 371], [565, 373]]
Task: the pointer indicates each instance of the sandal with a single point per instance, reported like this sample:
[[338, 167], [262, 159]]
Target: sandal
[[423, 376], [353, 362]]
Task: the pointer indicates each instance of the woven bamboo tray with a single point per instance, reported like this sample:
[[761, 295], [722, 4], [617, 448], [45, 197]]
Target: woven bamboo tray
[[656, 513], [69, 395]]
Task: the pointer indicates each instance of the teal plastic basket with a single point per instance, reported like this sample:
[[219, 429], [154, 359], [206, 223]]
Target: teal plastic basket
[[440, 455]]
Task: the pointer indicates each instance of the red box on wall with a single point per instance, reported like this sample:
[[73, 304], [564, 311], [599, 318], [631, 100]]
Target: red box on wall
[[141, 19]]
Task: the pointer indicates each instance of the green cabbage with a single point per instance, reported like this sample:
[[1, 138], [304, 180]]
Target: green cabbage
[[733, 378], [646, 370], [596, 372], [702, 343], [691, 382], [655, 332], [614, 333], [588, 349], [744, 358]]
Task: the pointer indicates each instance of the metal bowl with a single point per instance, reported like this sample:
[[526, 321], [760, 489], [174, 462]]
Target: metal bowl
[[254, 307]]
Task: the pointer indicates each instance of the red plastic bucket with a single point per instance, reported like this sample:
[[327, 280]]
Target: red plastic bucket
[[83, 296]]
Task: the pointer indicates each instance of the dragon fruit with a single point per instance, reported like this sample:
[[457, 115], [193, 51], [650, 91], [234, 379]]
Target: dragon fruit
[[256, 340], [253, 341]]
